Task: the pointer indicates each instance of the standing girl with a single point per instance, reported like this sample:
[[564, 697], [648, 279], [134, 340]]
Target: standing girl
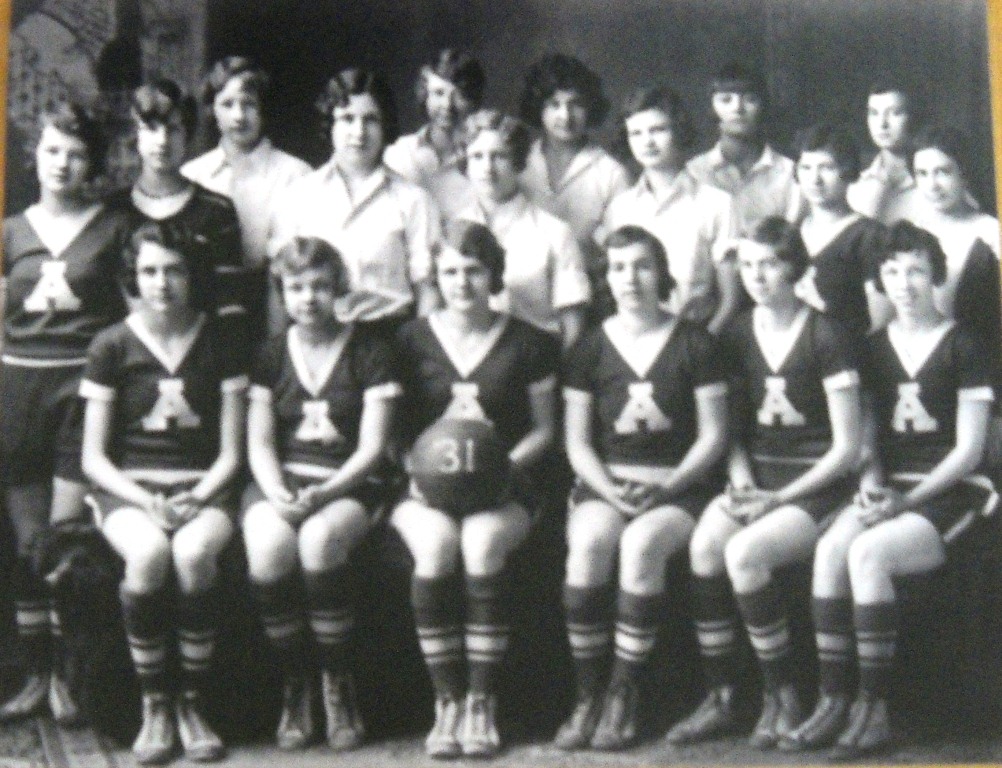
[[57, 256], [646, 417], [162, 443], [321, 406]]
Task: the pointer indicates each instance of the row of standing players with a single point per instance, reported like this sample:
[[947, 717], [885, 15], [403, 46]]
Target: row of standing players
[[321, 384]]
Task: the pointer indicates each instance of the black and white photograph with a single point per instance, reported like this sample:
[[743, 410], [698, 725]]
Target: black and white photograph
[[525, 382]]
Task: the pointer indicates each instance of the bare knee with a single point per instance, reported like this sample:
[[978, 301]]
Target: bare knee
[[831, 568], [706, 550], [592, 545], [487, 543], [433, 543], [194, 561], [271, 546], [643, 556], [867, 559], [327, 539], [147, 563]]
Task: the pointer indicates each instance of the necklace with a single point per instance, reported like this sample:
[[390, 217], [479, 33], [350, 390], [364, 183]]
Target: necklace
[[158, 196]]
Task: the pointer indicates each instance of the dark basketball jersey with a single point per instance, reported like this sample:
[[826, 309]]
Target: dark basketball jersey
[[494, 383], [166, 411], [317, 418], [54, 305], [916, 394], [644, 410], [780, 383], [841, 270], [209, 222]]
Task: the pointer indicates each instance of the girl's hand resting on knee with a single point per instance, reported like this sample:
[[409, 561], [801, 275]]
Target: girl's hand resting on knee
[[624, 496], [184, 507], [287, 505], [877, 503], [746, 504]]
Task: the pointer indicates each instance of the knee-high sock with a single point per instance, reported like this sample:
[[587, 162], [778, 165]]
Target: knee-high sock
[[876, 644], [281, 605], [765, 618], [833, 634], [438, 612], [637, 619], [31, 611], [197, 621], [146, 621], [330, 598], [486, 628], [716, 627], [589, 631]]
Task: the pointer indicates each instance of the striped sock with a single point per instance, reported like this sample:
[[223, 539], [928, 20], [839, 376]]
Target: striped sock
[[282, 610], [438, 617], [716, 627], [197, 617], [769, 632], [876, 643], [637, 619], [31, 614], [486, 629], [833, 634], [589, 632], [145, 619], [330, 598]]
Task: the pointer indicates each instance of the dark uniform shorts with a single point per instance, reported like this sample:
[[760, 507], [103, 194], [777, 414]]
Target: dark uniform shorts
[[41, 423], [958, 508], [772, 473], [693, 500], [371, 494], [103, 503]]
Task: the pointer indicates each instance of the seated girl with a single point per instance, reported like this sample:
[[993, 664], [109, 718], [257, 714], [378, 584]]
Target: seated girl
[[931, 388], [321, 405], [162, 443], [646, 422], [794, 452]]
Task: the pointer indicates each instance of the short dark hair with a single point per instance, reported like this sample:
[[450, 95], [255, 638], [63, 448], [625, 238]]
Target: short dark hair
[[905, 237], [75, 120], [785, 240], [834, 140], [633, 235], [559, 72], [739, 78], [460, 69], [355, 81], [475, 240], [302, 253], [197, 262], [154, 103], [254, 78], [664, 99], [887, 83], [512, 131], [948, 140]]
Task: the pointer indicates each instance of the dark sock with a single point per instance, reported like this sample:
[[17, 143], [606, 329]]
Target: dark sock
[[438, 616], [769, 633], [330, 598], [486, 629], [197, 620], [716, 627], [588, 613], [637, 619], [833, 633], [281, 605], [876, 643], [146, 621], [31, 613]]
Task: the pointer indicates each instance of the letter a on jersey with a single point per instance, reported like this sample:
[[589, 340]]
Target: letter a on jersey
[[52, 292], [909, 413], [171, 408], [641, 409], [316, 426], [777, 410], [465, 402]]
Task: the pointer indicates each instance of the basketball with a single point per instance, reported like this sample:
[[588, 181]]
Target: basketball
[[460, 465]]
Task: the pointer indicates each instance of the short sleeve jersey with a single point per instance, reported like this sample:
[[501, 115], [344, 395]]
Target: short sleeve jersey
[[780, 382], [318, 415], [496, 382], [916, 392], [644, 408], [56, 303], [208, 221], [166, 410]]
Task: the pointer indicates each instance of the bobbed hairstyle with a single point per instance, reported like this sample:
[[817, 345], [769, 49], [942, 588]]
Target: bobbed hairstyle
[[153, 104], [460, 69], [302, 253], [198, 265], [75, 120], [355, 81], [949, 140], [559, 72], [734, 77], [476, 241], [785, 240], [834, 140], [887, 83], [663, 99], [905, 237], [512, 131], [253, 78], [633, 235]]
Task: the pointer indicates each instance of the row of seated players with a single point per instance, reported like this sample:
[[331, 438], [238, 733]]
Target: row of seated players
[[649, 400]]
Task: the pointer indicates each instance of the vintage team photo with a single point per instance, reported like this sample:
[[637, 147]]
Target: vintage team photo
[[558, 382]]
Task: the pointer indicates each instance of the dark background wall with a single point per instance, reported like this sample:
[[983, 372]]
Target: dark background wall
[[819, 55]]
